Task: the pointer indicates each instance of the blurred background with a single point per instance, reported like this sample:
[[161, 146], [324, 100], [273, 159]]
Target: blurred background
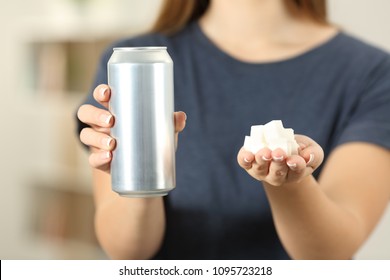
[[49, 50]]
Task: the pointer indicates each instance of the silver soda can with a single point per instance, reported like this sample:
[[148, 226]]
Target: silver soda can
[[142, 103]]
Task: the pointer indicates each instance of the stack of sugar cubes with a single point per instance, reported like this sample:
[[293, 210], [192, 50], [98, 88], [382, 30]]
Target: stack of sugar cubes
[[272, 136]]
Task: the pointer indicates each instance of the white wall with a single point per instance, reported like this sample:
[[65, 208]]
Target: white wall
[[368, 19]]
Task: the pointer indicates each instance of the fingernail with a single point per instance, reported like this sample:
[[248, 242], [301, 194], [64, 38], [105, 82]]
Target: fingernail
[[311, 159], [280, 158], [291, 165], [108, 141], [106, 155], [105, 118], [185, 116], [103, 92], [265, 158], [246, 160]]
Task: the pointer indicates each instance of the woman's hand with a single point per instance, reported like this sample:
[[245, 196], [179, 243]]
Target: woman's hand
[[275, 168], [97, 135]]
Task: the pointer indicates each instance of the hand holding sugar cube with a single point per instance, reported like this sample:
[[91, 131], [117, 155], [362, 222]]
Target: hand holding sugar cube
[[271, 135], [273, 166]]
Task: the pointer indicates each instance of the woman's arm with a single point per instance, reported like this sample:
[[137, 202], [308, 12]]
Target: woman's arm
[[127, 228], [332, 217]]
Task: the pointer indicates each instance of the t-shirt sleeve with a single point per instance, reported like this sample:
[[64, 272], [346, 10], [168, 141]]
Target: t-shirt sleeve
[[370, 119]]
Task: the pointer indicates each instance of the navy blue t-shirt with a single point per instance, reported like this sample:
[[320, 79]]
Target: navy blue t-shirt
[[337, 92]]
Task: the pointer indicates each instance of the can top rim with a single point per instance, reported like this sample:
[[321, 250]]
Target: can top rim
[[135, 49]]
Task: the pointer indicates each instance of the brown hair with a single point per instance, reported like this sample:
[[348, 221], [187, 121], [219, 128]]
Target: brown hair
[[176, 14]]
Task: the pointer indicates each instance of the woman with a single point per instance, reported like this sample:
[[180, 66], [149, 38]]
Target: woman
[[239, 63]]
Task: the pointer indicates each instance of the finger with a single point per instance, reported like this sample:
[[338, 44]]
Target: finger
[[100, 160], [262, 162], [310, 151], [297, 168], [95, 116], [278, 168], [312, 155], [95, 139], [303, 141], [180, 121], [102, 94], [245, 159]]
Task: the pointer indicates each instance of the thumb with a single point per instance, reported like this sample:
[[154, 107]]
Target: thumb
[[180, 121]]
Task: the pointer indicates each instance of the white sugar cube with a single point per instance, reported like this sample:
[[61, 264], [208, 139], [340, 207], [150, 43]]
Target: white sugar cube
[[248, 143], [289, 134], [272, 135], [257, 132], [279, 143], [294, 147], [251, 145]]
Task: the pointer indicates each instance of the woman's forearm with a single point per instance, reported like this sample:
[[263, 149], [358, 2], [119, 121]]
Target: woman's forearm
[[130, 228], [127, 228], [311, 225]]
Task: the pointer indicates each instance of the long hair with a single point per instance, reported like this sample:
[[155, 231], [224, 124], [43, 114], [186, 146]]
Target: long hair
[[176, 14]]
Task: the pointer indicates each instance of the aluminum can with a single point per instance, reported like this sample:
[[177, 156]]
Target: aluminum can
[[142, 103]]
